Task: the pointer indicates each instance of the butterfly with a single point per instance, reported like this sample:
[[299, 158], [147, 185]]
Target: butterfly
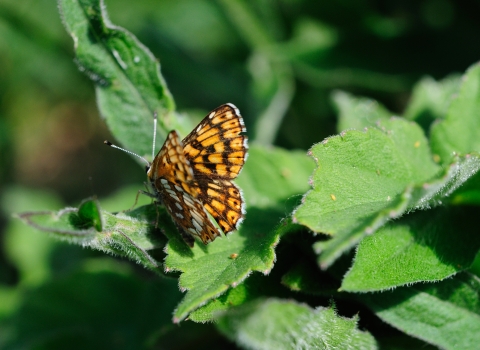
[[193, 177]]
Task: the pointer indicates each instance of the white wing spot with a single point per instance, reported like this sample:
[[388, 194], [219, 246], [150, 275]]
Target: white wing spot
[[197, 226], [196, 216], [179, 215], [173, 195]]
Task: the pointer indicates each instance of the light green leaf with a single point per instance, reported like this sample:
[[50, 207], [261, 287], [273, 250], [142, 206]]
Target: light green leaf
[[363, 179], [430, 99], [357, 112], [271, 178], [416, 248], [278, 324], [446, 314], [459, 132], [129, 85]]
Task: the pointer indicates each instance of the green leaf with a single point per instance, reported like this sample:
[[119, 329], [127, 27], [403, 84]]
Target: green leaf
[[417, 248], [344, 240], [252, 288], [363, 179], [129, 85], [430, 99], [128, 234], [459, 131], [357, 112], [446, 314], [270, 179], [277, 324], [422, 196]]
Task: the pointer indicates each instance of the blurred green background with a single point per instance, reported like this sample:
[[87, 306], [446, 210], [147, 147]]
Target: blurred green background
[[278, 61]]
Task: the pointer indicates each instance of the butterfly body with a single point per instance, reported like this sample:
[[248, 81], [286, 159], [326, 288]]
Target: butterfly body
[[192, 177]]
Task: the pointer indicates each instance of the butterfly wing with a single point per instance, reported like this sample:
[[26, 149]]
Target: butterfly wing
[[173, 179], [217, 152], [215, 148]]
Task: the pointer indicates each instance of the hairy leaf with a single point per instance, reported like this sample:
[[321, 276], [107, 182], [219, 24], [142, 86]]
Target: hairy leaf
[[446, 314], [424, 246], [278, 324], [128, 234], [363, 179], [129, 85]]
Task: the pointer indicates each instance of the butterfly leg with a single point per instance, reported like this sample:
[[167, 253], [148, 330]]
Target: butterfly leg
[[146, 193]]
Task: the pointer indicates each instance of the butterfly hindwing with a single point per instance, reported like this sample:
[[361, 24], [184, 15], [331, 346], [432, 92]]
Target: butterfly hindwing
[[223, 200]]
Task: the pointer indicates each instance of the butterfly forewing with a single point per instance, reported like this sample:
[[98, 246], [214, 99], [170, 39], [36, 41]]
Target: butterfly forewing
[[215, 148], [217, 151]]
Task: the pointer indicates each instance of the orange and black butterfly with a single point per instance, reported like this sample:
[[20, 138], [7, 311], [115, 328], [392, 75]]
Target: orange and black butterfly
[[193, 176]]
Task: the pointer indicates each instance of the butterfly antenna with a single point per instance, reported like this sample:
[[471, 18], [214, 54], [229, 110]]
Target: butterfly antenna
[[108, 143], [154, 133]]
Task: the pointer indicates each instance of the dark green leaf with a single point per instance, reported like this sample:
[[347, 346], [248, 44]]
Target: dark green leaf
[[305, 276]]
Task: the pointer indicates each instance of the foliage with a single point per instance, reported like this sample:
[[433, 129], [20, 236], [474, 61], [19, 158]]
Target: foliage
[[368, 240]]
